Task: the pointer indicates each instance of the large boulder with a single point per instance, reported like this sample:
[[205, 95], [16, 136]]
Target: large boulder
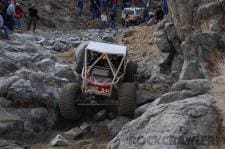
[[176, 125], [201, 85], [200, 51], [189, 15], [24, 123], [116, 125], [21, 91]]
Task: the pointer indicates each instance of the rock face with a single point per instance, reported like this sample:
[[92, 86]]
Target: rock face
[[171, 126], [30, 82], [190, 42], [200, 52], [116, 125], [179, 91], [189, 15]]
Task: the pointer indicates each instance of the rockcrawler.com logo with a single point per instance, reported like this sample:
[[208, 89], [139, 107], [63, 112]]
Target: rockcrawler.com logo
[[173, 140]]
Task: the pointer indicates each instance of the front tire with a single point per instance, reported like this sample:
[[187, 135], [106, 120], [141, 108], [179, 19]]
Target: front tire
[[127, 99], [67, 104]]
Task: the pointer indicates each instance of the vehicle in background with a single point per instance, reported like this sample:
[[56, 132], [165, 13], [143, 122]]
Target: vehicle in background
[[135, 15]]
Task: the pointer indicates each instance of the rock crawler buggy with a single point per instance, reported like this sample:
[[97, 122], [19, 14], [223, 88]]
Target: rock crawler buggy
[[108, 79]]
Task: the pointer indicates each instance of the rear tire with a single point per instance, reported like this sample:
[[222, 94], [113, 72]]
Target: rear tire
[[131, 72], [67, 104], [127, 99]]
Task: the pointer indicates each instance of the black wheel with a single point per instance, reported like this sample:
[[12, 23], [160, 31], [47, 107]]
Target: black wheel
[[67, 105], [127, 99], [131, 72]]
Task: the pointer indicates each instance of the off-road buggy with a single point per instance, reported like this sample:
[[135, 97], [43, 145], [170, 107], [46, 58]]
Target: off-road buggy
[[108, 79]]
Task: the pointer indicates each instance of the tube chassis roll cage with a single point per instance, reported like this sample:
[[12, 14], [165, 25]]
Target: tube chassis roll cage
[[115, 71]]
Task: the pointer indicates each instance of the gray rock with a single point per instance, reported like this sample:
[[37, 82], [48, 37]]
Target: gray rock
[[9, 145], [172, 36], [46, 65], [37, 121], [8, 66], [4, 103], [183, 119], [59, 140], [5, 83], [180, 95], [64, 71], [75, 43], [198, 50], [21, 91], [142, 98], [200, 85], [161, 40], [205, 14], [75, 133], [58, 46], [116, 125], [142, 109], [100, 116], [78, 50], [85, 127], [109, 39]]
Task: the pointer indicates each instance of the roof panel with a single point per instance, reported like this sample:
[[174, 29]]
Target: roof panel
[[107, 48]]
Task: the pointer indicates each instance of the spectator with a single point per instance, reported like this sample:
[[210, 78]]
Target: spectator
[[10, 15], [146, 3], [94, 6], [19, 14], [33, 17], [113, 22], [127, 20], [159, 14], [114, 7], [4, 28], [81, 6], [104, 20], [146, 15], [165, 7]]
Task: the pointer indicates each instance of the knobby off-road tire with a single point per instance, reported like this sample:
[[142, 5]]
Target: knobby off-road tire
[[127, 99], [131, 72], [67, 104]]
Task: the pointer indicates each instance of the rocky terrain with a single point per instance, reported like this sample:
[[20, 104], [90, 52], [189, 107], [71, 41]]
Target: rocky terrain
[[180, 102]]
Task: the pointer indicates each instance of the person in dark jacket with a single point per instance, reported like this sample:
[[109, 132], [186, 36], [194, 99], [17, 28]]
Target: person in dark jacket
[[165, 7], [81, 6], [113, 22], [33, 17], [159, 14]]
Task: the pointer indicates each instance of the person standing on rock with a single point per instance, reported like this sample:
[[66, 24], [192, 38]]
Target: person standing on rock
[[19, 14], [10, 12], [104, 20], [126, 20], [4, 28], [81, 6], [33, 17], [113, 22], [159, 14], [165, 7], [114, 2]]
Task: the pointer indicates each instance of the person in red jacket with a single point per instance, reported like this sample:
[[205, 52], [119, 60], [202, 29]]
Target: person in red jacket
[[19, 13]]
